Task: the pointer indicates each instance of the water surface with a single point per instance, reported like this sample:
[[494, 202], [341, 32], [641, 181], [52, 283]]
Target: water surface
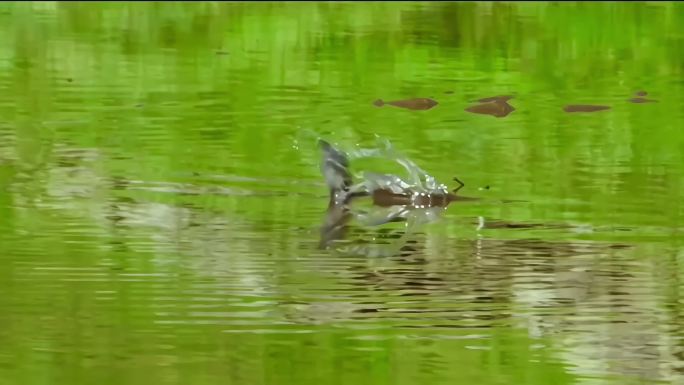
[[161, 201]]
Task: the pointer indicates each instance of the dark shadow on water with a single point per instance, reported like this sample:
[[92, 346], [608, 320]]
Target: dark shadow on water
[[410, 104], [639, 100], [571, 108], [502, 224]]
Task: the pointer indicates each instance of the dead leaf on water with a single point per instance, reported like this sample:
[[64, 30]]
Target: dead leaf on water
[[494, 106]]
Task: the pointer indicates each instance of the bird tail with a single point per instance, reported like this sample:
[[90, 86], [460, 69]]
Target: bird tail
[[335, 170]]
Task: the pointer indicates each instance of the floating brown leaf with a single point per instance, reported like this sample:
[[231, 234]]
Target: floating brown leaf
[[495, 106]]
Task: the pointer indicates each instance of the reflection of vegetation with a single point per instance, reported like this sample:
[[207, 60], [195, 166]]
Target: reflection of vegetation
[[109, 108], [316, 66]]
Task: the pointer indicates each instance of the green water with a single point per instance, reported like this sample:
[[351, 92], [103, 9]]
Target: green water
[[160, 197]]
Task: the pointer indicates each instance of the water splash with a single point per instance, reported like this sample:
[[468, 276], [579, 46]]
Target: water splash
[[418, 181], [412, 191]]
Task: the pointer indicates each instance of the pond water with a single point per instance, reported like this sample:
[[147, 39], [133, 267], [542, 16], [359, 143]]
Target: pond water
[[161, 199]]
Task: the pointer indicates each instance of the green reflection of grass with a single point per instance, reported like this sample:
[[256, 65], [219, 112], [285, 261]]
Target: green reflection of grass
[[163, 90]]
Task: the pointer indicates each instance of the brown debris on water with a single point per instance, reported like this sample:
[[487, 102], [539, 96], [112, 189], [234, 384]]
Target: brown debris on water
[[639, 97], [584, 108], [494, 106], [410, 104], [642, 100]]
